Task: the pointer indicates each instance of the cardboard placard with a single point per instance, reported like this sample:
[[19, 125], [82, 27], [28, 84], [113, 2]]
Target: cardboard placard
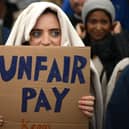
[[40, 87]]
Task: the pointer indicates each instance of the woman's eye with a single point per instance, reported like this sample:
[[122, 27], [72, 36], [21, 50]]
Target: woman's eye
[[55, 33], [104, 22], [36, 34]]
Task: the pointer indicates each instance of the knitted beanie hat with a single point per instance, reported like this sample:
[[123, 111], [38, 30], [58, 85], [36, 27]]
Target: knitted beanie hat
[[91, 5]]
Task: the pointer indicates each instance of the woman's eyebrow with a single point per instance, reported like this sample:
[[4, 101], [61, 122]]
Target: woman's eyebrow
[[36, 29], [55, 29]]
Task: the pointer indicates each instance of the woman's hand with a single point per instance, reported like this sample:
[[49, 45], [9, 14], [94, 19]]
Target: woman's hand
[[116, 27], [86, 105], [81, 30]]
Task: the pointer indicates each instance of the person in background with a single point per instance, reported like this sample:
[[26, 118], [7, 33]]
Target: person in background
[[58, 2], [122, 12], [21, 4], [45, 24], [4, 31], [9, 18], [109, 43], [73, 9]]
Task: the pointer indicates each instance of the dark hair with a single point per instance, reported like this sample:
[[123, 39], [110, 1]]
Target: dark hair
[[49, 10], [108, 14], [26, 43]]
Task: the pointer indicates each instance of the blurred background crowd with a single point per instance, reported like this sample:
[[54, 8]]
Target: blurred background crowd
[[10, 9]]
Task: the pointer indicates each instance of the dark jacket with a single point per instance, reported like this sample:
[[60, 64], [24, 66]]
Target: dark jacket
[[4, 34], [70, 13], [66, 7], [117, 116], [122, 12], [9, 16], [110, 50]]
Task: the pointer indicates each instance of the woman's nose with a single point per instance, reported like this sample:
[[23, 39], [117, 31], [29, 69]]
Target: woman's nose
[[98, 26], [45, 40]]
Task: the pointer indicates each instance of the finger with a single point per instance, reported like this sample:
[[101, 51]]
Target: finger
[[88, 114], [80, 30], [87, 98], [84, 102], [86, 108], [116, 28]]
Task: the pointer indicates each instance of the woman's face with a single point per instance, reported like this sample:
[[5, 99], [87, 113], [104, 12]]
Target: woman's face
[[46, 32], [98, 25]]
